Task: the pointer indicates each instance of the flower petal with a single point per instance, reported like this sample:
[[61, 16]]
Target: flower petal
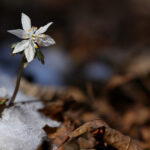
[[21, 46], [26, 22], [18, 32], [46, 41], [29, 53], [43, 29]]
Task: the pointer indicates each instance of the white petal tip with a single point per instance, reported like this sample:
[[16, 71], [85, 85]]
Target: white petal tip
[[53, 42], [29, 60], [51, 23], [23, 13], [10, 31], [14, 52]]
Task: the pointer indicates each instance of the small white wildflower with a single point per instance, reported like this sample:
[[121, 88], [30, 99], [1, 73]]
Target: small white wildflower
[[32, 38]]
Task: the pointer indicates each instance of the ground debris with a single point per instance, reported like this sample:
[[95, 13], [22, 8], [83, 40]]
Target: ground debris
[[84, 119]]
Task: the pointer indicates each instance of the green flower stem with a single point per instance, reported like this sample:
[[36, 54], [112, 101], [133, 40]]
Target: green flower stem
[[18, 80]]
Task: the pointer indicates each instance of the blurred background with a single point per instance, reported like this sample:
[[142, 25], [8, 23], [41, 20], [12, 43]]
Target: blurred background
[[95, 40], [101, 60]]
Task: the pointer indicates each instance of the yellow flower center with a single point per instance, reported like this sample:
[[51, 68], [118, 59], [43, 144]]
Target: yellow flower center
[[35, 28]]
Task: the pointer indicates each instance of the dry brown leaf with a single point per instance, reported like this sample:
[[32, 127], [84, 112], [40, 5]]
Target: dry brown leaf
[[145, 132], [86, 143], [70, 146], [91, 125], [111, 136], [119, 80], [120, 141], [139, 65], [136, 116], [61, 134]]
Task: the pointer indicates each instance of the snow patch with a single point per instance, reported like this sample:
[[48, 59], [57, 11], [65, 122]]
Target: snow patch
[[21, 127]]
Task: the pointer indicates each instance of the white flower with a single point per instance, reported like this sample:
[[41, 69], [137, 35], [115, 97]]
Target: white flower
[[32, 38]]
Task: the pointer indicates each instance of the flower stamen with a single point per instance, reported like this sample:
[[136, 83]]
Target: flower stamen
[[29, 30], [35, 46], [35, 28], [44, 36]]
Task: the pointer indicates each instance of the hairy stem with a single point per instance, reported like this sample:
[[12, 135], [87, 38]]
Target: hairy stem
[[18, 80]]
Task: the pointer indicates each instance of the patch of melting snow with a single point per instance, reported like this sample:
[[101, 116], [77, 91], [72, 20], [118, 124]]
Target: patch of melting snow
[[21, 128]]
